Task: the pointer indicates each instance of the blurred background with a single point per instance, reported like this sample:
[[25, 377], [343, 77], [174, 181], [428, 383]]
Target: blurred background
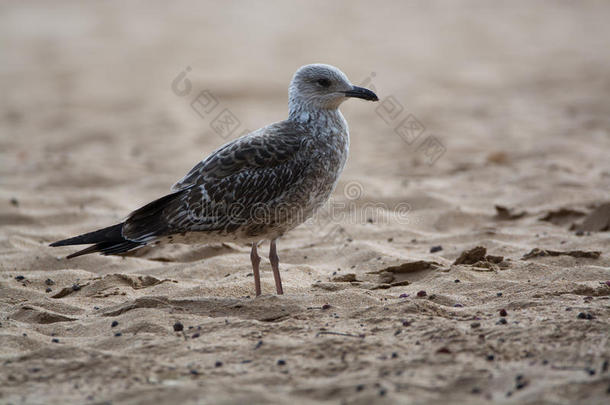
[[89, 111]]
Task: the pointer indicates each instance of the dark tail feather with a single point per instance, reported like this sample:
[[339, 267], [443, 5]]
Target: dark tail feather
[[107, 241]]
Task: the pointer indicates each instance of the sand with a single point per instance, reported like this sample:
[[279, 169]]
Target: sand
[[513, 101]]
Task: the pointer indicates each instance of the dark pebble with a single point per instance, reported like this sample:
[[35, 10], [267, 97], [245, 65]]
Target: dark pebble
[[435, 249], [55, 340], [359, 387], [475, 325], [475, 390], [499, 294], [421, 293], [326, 306], [579, 233], [605, 366], [75, 287], [48, 289], [406, 323], [590, 371], [218, 364], [48, 281], [14, 202], [458, 305], [259, 344], [114, 324], [403, 295], [382, 392], [521, 384], [583, 315], [390, 239], [194, 372], [281, 362], [20, 278], [490, 357], [456, 281], [444, 350], [118, 334], [502, 321], [195, 336], [178, 327], [503, 312]]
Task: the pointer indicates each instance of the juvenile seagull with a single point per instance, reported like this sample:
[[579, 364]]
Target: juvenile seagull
[[254, 188]]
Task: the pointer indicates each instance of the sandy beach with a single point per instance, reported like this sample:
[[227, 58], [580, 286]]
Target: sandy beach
[[463, 258]]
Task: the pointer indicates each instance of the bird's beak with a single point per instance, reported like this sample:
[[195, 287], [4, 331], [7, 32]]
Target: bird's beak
[[361, 92]]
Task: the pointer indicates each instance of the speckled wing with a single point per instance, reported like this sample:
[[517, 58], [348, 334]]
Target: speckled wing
[[218, 194]]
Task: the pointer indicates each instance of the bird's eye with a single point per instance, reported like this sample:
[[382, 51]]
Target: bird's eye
[[324, 82]]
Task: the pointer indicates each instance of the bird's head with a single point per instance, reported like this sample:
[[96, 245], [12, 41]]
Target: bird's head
[[323, 87]]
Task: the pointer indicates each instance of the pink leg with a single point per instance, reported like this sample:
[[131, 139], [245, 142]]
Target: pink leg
[[275, 266], [256, 260]]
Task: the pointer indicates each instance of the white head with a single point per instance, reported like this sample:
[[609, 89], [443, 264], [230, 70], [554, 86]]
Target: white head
[[322, 87]]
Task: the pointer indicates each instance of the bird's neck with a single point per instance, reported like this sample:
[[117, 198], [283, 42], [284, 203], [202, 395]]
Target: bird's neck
[[329, 118]]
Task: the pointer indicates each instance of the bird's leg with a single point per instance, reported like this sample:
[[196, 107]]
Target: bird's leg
[[256, 260], [275, 266]]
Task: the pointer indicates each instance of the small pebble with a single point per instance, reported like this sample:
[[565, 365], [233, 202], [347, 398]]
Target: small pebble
[[499, 294], [20, 278], [403, 295], [587, 315], [406, 323], [259, 344], [394, 355], [490, 357], [118, 334], [48, 281], [359, 387], [457, 281], [75, 287], [178, 327], [48, 289], [457, 305], [503, 312], [218, 364], [435, 249], [55, 340], [421, 293], [326, 306], [475, 325], [281, 362], [195, 336], [194, 372], [114, 324], [502, 321]]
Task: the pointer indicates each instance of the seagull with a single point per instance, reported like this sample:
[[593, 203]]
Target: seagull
[[254, 188]]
